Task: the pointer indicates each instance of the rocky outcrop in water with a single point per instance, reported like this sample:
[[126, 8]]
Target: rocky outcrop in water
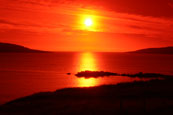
[[88, 74]]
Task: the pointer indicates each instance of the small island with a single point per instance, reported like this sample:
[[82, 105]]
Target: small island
[[88, 74], [95, 74]]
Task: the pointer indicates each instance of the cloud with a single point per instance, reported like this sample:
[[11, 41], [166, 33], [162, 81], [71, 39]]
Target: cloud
[[155, 8], [63, 16], [6, 24]]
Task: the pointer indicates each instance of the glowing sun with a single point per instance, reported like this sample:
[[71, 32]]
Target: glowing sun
[[88, 22]]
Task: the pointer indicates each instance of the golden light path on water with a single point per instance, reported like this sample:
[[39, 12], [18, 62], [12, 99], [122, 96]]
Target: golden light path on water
[[90, 61], [87, 62]]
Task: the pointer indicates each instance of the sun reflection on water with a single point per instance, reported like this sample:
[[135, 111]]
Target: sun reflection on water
[[82, 82], [87, 62]]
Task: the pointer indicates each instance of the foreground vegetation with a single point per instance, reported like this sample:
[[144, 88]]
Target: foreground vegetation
[[151, 97]]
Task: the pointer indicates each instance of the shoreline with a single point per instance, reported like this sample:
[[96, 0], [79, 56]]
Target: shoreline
[[133, 98]]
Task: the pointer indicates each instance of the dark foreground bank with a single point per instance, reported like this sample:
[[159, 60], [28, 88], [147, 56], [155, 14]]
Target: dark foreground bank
[[139, 98]]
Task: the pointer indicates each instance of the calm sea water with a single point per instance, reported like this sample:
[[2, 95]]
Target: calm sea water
[[23, 74]]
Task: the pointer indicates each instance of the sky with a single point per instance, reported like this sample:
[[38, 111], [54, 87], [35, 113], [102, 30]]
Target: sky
[[59, 25]]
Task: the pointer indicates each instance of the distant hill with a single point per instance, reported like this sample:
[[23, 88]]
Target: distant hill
[[163, 50], [7, 47]]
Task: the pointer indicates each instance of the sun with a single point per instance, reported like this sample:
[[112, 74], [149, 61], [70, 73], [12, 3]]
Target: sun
[[88, 22]]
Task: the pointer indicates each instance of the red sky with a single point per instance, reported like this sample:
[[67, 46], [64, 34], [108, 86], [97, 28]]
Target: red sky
[[57, 25]]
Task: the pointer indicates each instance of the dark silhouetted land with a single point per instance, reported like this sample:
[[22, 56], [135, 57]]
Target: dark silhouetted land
[[7, 47], [89, 74], [164, 50], [154, 97]]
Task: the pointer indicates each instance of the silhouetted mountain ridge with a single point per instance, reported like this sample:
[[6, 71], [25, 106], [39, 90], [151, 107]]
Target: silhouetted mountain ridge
[[163, 50], [7, 47]]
